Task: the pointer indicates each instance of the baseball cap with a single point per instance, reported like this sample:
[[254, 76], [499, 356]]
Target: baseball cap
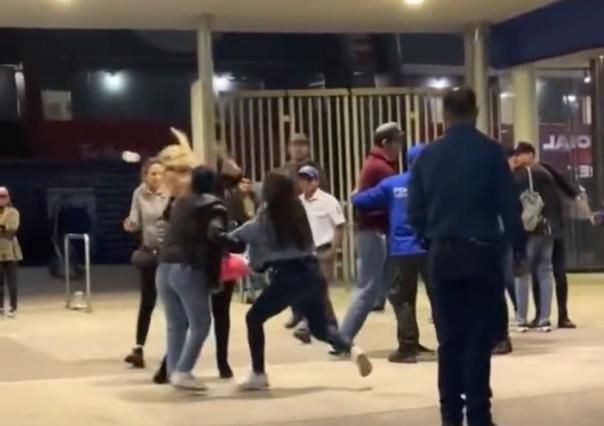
[[299, 138], [309, 172]]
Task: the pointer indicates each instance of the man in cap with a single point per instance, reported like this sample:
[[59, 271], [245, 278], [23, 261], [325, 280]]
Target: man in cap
[[327, 223], [460, 193], [382, 162], [299, 156], [406, 258]]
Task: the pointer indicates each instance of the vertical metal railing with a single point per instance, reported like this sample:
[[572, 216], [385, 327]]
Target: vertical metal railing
[[88, 289], [257, 125]]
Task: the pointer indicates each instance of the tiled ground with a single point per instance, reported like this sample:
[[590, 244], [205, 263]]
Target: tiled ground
[[60, 367]]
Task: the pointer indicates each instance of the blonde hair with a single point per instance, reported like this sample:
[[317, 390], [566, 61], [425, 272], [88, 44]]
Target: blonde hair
[[178, 155]]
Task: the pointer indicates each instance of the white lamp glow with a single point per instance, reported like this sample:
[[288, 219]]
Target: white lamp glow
[[414, 2], [222, 83], [439, 83], [114, 82]]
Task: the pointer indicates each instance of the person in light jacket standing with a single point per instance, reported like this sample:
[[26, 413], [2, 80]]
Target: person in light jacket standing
[[148, 205], [10, 251]]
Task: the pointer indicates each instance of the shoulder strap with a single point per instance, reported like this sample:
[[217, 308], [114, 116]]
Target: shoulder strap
[[530, 178]]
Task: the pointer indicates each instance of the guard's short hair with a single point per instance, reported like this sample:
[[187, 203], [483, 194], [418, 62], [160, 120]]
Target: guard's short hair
[[525, 148], [460, 103], [387, 131]]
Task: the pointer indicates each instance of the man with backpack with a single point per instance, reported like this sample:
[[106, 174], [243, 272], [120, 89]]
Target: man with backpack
[[542, 219]]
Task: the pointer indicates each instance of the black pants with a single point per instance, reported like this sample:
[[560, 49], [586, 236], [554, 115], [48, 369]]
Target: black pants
[[8, 272], [559, 264], [402, 275], [221, 311], [296, 283], [467, 283], [147, 303]]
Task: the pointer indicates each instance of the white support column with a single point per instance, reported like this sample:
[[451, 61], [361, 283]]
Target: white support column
[[202, 96], [526, 115], [477, 72]]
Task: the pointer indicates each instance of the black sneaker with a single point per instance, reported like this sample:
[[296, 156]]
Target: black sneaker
[[136, 358], [401, 356], [161, 376], [293, 322], [503, 348], [225, 372], [534, 323], [566, 323], [424, 350], [303, 335]]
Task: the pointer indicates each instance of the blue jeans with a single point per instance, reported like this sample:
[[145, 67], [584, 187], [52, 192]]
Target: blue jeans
[[539, 257], [186, 298], [371, 251]]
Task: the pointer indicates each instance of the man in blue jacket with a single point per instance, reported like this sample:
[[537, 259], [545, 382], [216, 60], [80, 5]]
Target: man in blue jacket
[[406, 259]]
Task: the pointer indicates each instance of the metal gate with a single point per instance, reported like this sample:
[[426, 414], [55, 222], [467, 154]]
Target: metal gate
[[257, 125]]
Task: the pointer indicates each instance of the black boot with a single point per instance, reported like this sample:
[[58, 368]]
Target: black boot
[[136, 358], [403, 355], [161, 376]]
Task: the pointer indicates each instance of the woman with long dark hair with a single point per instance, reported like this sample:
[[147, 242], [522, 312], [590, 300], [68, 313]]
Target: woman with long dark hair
[[145, 219], [280, 240]]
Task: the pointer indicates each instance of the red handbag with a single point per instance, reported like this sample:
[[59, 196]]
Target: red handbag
[[233, 268]]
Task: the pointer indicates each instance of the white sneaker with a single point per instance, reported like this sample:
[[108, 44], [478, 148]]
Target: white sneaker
[[254, 382], [187, 381], [546, 327], [362, 361], [12, 313], [522, 327]]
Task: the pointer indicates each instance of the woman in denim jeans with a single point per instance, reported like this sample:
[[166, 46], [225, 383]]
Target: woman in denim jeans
[[280, 240], [189, 271]]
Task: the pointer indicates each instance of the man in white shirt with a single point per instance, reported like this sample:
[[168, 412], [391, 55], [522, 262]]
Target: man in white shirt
[[327, 223]]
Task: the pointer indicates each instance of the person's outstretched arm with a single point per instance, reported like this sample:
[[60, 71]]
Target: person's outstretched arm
[[371, 199]]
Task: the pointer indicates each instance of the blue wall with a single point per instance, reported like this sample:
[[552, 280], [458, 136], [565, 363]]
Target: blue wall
[[561, 28]]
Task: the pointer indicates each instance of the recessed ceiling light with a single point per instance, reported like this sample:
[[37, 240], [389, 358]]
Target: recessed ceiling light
[[414, 2]]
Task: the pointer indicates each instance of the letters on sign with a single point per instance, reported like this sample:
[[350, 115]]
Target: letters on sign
[[565, 143]]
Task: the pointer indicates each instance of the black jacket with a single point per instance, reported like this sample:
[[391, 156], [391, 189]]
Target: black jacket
[[545, 184], [194, 235], [461, 187]]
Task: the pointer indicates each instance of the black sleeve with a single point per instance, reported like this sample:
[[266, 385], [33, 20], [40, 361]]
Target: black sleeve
[[217, 231], [562, 182], [509, 206]]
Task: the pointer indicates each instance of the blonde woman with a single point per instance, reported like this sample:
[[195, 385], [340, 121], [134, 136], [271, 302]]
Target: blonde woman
[[10, 251], [172, 279]]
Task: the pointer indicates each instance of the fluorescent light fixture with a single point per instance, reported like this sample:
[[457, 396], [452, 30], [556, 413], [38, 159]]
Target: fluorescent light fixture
[[114, 82], [414, 3], [222, 82], [506, 95], [569, 99], [439, 83]]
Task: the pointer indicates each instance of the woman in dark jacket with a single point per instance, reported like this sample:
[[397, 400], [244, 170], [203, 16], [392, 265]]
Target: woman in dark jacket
[[189, 272]]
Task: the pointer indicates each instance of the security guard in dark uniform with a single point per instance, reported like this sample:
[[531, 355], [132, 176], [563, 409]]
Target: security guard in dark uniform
[[460, 192]]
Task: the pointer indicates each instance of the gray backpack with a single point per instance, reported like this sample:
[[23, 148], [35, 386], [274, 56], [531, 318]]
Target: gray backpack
[[532, 206]]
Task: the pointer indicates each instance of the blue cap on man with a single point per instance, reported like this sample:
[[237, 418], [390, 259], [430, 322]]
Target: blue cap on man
[[309, 172]]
